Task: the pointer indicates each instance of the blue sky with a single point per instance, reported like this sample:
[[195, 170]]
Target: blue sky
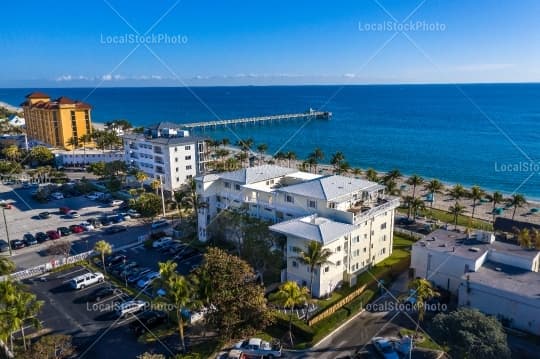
[[76, 43]]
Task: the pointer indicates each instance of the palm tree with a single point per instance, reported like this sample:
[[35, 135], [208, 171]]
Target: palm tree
[[245, 145], [495, 198], [312, 163], [6, 265], [317, 155], [414, 181], [393, 175], [517, 200], [372, 175], [241, 156], [179, 292], [456, 210], [356, 171], [524, 237], [289, 296], [344, 167], [12, 152], [476, 194], [415, 205], [141, 177], [392, 188], [222, 153], [280, 156], [457, 192], [225, 142], [73, 142], [422, 291], [23, 307], [290, 155], [103, 248], [434, 186], [84, 139], [189, 199], [314, 257], [262, 149], [156, 184], [337, 159]]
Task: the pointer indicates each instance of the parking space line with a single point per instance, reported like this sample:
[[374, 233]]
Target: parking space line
[[71, 273], [110, 298]]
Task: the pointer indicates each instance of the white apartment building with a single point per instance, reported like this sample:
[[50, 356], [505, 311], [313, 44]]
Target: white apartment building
[[351, 217], [167, 152], [81, 157], [497, 278]]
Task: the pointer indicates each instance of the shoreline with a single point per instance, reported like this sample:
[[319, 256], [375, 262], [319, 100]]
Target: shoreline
[[10, 107]]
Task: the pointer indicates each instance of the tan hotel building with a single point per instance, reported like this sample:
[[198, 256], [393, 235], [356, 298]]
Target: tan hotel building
[[55, 122]]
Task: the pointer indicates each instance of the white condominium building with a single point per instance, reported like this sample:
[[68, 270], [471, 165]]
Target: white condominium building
[[167, 152], [351, 217]]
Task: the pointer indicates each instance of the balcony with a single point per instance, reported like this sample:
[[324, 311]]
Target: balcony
[[133, 146], [158, 150], [365, 210], [159, 170], [158, 160]]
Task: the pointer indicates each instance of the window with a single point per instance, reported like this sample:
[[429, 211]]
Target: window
[[365, 249], [338, 249], [176, 149], [357, 252], [237, 187], [311, 203], [177, 179], [176, 169], [188, 177], [188, 167], [326, 269], [294, 264], [331, 205], [383, 226], [357, 239], [188, 158], [289, 199], [176, 159], [187, 148], [227, 184], [383, 250], [338, 263]]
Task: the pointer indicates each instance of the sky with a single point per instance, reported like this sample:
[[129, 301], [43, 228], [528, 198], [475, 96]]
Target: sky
[[67, 43]]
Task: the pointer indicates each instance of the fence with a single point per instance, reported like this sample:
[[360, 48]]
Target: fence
[[335, 307], [410, 233], [47, 267]]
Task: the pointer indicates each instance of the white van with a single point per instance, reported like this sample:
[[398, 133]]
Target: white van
[[86, 280]]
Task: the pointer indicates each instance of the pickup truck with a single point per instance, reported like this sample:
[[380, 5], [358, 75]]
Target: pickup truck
[[259, 347]]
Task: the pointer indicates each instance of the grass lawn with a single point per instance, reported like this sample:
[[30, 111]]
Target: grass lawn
[[426, 343], [447, 217]]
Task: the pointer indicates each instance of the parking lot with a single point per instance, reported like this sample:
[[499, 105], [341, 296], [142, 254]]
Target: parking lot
[[24, 218], [67, 311]]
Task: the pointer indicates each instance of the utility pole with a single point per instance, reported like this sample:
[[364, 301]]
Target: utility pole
[[7, 232], [162, 196]]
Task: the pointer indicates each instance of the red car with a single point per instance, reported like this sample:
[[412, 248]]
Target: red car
[[64, 210], [53, 234], [76, 228]]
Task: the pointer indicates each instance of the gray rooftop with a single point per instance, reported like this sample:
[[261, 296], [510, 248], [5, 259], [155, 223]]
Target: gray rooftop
[[314, 228], [167, 140], [507, 278], [331, 187], [457, 243], [163, 125], [256, 174]]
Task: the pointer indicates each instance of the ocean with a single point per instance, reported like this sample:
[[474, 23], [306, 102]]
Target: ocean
[[483, 134]]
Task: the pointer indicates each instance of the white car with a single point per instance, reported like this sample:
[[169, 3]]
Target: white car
[[133, 213], [159, 223], [117, 202], [130, 307], [161, 242], [147, 279], [258, 347], [87, 226], [73, 214], [57, 195], [86, 280]]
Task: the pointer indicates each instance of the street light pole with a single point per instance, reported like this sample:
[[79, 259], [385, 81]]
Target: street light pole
[[7, 232], [162, 196]]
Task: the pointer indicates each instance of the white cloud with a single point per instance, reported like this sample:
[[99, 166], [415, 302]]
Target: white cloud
[[107, 77]]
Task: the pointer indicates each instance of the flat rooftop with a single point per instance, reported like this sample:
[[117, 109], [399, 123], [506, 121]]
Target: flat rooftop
[[507, 278], [457, 243]]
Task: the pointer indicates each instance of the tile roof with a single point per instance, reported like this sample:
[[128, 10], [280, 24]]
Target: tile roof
[[37, 94], [330, 187], [256, 174], [314, 228]]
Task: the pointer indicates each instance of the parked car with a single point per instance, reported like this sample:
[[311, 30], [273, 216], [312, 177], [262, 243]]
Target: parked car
[[159, 223], [131, 307], [133, 213], [29, 239], [147, 321], [64, 210], [105, 221], [167, 246], [138, 274], [57, 195], [75, 228], [5, 204], [259, 347], [87, 226], [385, 348], [117, 219], [41, 237], [94, 222], [147, 279], [17, 244], [126, 269], [116, 202], [187, 253], [92, 196], [176, 248], [53, 234], [4, 246], [115, 229], [64, 231], [44, 215], [115, 260], [73, 214], [161, 241], [102, 293], [85, 280]]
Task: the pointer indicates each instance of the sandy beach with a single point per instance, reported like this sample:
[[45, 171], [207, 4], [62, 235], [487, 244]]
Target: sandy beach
[[10, 107]]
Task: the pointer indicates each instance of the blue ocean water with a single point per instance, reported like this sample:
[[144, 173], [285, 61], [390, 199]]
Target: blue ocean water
[[487, 135]]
